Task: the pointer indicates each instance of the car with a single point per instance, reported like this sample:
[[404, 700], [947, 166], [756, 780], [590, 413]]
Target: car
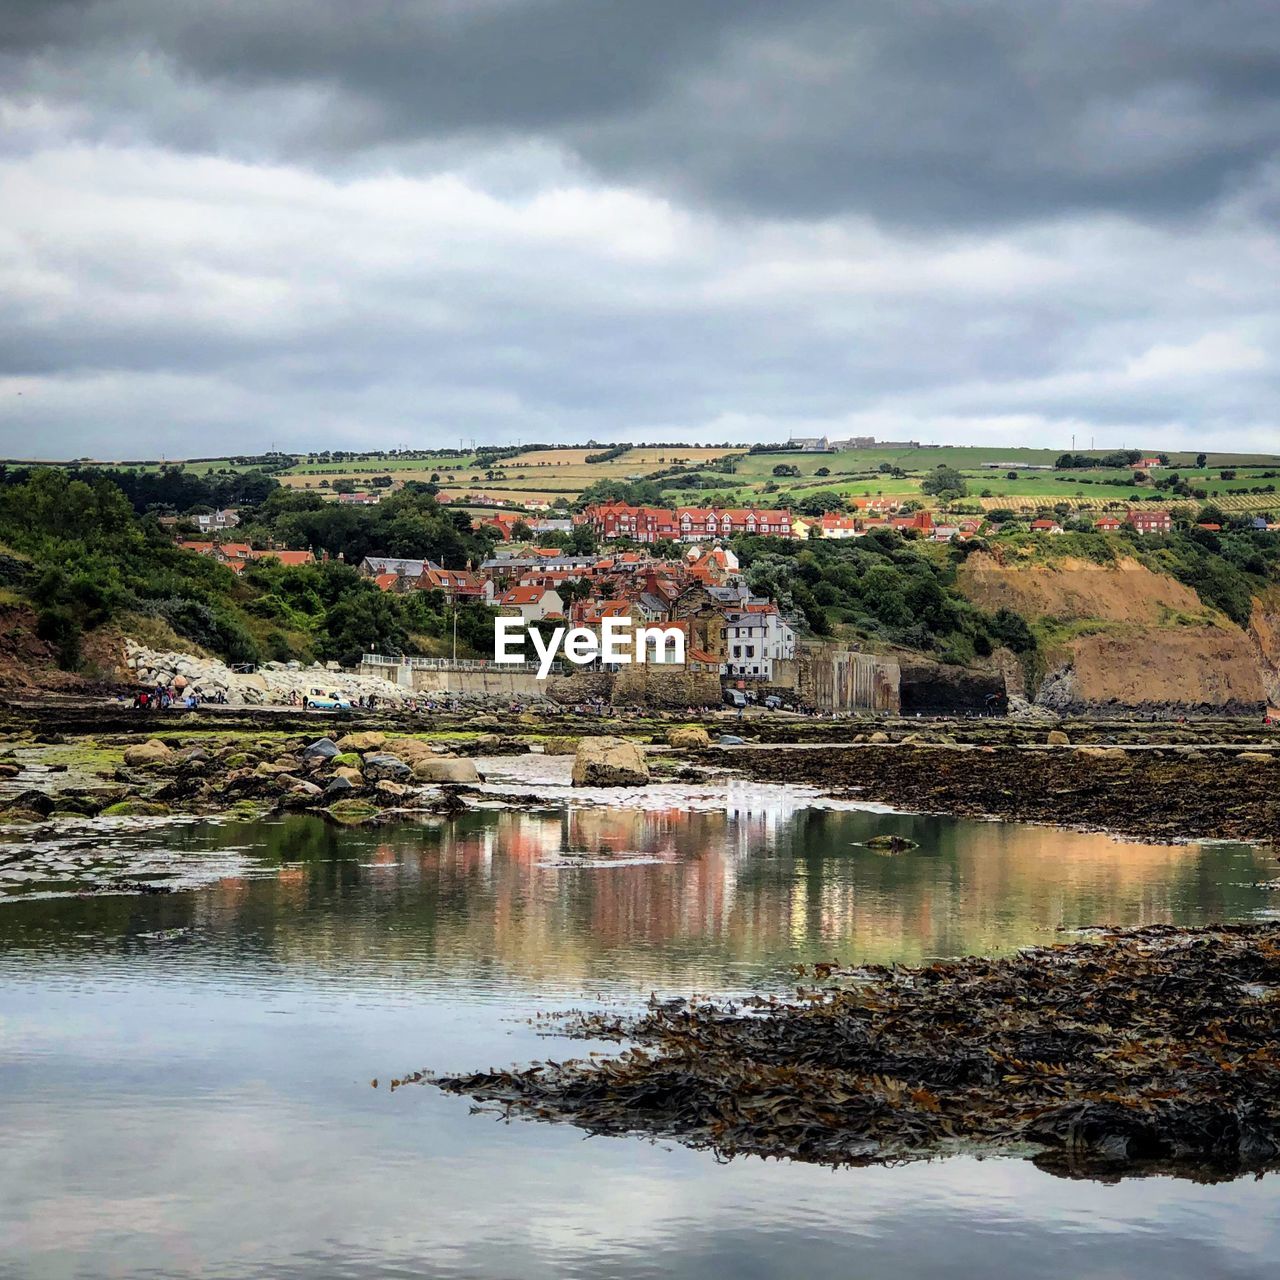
[[773, 702], [322, 700]]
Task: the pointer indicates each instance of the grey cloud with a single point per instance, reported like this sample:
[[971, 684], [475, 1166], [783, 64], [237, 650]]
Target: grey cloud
[[915, 111]]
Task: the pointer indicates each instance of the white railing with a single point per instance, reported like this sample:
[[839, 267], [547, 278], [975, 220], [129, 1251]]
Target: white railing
[[455, 664]]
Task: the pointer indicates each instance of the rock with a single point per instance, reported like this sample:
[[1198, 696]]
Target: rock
[[916, 740], [879, 737], [393, 790], [353, 776], [1056, 738], [324, 748], [731, 740], [16, 814], [346, 760], [370, 740], [560, 746], [352, 811], [446, 769], [609, 762], [1256, 757], [891, 844], [410, 749], [385, 766], [136, 809], [1101, 753], [10, 770], [339, 788], [688, 738], [301, 787], [32, 799], [148, 754]]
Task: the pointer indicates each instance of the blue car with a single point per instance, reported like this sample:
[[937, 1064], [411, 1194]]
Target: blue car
[[319, 700]]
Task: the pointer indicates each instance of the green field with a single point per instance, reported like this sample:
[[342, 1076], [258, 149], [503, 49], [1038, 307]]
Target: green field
[[994, 476]]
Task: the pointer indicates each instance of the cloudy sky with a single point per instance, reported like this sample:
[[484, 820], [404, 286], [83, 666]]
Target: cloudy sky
[[318, 223]]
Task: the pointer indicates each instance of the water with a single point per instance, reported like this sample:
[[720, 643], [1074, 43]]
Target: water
[[185, 1079]]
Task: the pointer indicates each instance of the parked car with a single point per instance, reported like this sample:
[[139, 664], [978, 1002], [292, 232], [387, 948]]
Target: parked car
[[320, 700]]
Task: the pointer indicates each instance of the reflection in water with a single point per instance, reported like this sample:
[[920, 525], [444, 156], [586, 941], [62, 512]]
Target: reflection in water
[[184, 1078]]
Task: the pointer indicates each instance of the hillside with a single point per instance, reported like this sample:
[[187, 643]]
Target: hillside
[[1123, 634]]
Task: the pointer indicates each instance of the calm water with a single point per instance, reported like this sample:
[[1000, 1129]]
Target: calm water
[[184, 1079]]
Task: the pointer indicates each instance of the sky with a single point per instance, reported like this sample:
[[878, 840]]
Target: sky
[[314, 224]]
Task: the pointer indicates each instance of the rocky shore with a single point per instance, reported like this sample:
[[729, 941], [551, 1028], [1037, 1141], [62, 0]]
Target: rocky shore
[[1153, 1050], [1162, 793]]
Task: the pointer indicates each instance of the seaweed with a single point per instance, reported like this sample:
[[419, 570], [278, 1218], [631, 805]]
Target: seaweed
[[1138, 1051]]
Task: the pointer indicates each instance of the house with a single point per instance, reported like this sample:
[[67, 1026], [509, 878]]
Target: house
[[922, 520], [756, 637], [359, 499], [700, 524], [456, 584], [1044, 525], [226, 519], [533, 604], [290, 559], [1209, 525], [1148, 464], [1150, 521], [834, 525], [1107, 524], [374, 566], [810, 444]]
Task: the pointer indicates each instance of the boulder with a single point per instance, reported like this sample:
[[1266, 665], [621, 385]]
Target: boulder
[[301, 787], [1256, 757], [1056, 738], [879, 737], [559, 746], [147, 754], [391, 790], [369, 740], [688, 738], [324, 748], [346, 760], [8, 770], [385, 766], [916, 740], [1101, 753], [353, 776], [446, 769], [339, 788], [33, 800], [352, 811], [136, 809], [410, 749], [609, 762]]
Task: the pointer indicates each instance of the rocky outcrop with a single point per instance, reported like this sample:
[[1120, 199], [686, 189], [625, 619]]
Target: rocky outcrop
[[448, 769], [1159, 671], [271, 683], [147, 754], [688, 738], [609, 762]]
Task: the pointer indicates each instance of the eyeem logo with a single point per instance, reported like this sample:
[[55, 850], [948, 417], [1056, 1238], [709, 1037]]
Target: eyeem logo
[[618, 642]]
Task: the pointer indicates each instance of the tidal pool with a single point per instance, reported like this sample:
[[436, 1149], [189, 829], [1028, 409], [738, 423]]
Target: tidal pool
[[185, 1078]]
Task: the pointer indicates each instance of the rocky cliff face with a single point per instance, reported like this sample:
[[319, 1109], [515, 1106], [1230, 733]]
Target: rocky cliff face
[[1157, 647]]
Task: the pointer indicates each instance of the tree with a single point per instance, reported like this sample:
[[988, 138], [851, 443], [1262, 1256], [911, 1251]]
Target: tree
[[1201, 459], [946, 483], [786, 469], [823, 471]]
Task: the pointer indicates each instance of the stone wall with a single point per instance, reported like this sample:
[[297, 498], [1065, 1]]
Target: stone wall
[[648, 684]]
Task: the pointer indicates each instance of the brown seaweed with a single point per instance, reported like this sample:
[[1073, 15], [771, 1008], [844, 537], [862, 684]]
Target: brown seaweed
[[1147, 1050]]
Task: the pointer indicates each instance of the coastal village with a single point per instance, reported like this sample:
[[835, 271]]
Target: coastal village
[[695, 584]]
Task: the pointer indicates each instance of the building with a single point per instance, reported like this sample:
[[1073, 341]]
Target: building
[[375, 566], [1150, 521], [1045, 526], [533, 604], [755, 638], [1107, 524], [226, 519], [456, 584], [359, 499]]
